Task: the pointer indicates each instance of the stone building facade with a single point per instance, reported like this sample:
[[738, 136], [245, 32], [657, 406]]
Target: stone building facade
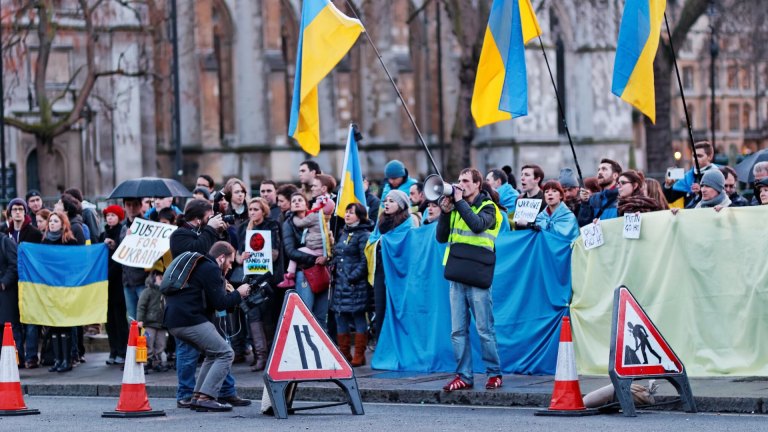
[[237, 62]]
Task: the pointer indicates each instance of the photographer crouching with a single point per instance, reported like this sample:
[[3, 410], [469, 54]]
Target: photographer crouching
[[189, 315]]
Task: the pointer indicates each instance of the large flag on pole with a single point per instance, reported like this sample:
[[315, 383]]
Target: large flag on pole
[[501, 85], [62, 286], [325, 37], [351, 189], [635, 51]]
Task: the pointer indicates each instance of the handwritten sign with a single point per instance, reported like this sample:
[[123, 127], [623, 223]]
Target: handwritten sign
[[259, 244], [146, 243], [592, 235], [632, 226], [526, 210]]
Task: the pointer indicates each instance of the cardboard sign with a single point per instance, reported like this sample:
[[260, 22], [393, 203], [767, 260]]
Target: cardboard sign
[[632, 225], [526, 210], [592, 235], [146, 243], [259, 244]]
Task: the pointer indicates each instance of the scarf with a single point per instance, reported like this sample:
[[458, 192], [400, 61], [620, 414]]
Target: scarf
[[714, 201], [53, 236]]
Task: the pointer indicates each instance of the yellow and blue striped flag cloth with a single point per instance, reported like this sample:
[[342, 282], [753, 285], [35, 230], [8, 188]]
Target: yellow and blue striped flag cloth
[[635, 51], [501, 85], [351, 189], [62, 286], [325, 37]]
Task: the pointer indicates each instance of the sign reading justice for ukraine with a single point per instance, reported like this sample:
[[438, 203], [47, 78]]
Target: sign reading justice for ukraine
[[259, 244], [145, 244], [526, 210]]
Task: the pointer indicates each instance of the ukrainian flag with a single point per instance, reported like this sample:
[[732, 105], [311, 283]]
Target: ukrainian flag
[[635, 51], [501, 85], [325, 37], [62, 286], [351, 189]]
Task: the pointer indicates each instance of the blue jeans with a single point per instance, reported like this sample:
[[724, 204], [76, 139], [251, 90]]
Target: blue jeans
[[132, 295], [18, 336], [30, 343], [186, 364], [465, 299], [344, 320], [317, 303]]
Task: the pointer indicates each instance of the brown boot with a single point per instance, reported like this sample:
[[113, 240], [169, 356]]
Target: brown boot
[[361, 343], [345, 344], [259, 346]]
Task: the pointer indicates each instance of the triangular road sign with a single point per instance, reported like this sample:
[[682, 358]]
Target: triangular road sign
[[303, 351], [639, 348]]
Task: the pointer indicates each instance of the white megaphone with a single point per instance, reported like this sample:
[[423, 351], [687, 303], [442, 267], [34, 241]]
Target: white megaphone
[[435, 188]]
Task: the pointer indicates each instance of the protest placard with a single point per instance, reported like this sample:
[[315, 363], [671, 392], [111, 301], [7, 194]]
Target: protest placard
[[632, 226], [592, 235], [259, 244], [526, 210], [145, 244]]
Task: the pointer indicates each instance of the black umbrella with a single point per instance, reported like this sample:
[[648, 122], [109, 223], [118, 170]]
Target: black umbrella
[[150, 187], [744, 168]]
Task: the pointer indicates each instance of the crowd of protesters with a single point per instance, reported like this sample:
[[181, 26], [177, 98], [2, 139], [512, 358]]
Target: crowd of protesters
[[307, 240]]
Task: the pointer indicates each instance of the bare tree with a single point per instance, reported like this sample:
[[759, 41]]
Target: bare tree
[[36, 25]]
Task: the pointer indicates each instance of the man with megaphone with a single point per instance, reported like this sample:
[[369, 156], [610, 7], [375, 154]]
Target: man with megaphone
[[470, 222]]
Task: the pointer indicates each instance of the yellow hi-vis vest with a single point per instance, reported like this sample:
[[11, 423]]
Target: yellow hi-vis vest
[[460, 232]]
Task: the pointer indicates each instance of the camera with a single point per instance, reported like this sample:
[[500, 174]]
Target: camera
[[230, 219], [261, 291], [218, 196]]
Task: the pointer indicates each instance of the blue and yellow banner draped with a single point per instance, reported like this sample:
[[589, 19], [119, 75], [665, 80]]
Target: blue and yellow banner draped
[[635, 51], [501, 86], [325, 37], [531, 290], [351, 189], [62, 286]]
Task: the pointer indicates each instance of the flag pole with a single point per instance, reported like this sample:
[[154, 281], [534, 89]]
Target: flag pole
[[562, 113], [697, 174], [399, 95]]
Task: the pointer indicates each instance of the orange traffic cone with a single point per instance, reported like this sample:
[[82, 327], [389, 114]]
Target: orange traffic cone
[[11, 398], [566, 398], [133, 393]]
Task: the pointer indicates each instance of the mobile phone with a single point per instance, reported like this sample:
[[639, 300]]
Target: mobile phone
[[675, 173]]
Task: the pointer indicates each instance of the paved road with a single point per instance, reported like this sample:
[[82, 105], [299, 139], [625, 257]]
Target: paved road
[[83, 414]]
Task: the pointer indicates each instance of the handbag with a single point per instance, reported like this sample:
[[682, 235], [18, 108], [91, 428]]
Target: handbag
[[470, 265], [318, 277]]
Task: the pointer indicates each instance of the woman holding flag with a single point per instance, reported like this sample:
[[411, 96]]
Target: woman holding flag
[[59, 232]]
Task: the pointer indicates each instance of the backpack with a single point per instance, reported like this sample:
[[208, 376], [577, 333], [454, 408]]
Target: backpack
[[177, 274]]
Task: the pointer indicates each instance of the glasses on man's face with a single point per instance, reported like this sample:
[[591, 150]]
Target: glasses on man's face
[[17, 210]]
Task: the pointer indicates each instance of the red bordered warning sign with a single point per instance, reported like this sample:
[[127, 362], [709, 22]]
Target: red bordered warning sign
[[639, 348], [303, 351]]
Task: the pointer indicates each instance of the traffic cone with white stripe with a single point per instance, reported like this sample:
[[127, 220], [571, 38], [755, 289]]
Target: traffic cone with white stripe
[[566, 397], [11, 398], [133, 393]]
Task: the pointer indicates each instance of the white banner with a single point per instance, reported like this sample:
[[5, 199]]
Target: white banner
[[145, 244], [259, 244]]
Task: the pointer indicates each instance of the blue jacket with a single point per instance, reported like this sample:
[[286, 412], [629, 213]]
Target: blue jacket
[[562, 222], [508, 196], [405, 187], [603, 203], [684, 184]]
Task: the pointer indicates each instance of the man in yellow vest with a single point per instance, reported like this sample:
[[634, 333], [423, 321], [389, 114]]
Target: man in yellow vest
[[470, 222]]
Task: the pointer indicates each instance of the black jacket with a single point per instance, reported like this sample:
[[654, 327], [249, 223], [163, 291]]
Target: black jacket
[[292, 243], [350, 293], [9, 297], [482, 221], [191, 239], [373, 207], [203, 295], [27, 233]]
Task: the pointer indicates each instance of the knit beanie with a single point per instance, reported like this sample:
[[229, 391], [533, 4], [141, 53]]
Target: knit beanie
[[400, 198], [17, 202], [116, 210], [394, 169], [568, 178], [714, 179]]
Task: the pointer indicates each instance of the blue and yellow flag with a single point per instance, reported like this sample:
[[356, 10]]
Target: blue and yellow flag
[[351, 189], [62, 286], [501, 85], [325, 37], [635, 51]]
